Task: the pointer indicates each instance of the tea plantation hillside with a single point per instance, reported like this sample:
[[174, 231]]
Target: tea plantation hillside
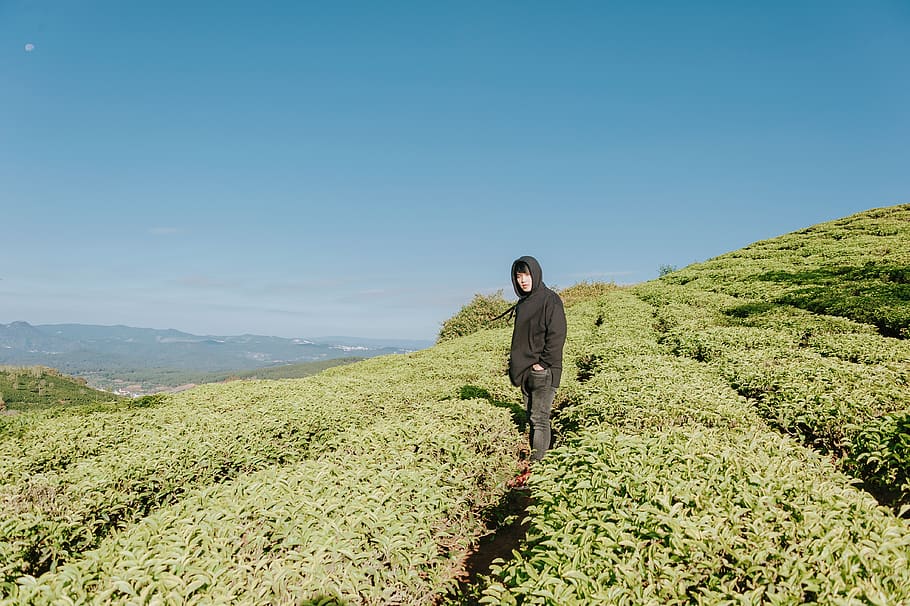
[[31, 387], [812, 328], [723, 435]]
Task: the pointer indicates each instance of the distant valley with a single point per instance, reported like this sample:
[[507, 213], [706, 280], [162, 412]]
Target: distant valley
[[144, 360]]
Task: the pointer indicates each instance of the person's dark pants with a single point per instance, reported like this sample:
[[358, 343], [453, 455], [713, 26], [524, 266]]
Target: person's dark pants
[[538, 393]]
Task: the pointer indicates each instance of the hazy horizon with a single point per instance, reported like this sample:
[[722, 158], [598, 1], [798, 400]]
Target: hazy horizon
[[328, 339]]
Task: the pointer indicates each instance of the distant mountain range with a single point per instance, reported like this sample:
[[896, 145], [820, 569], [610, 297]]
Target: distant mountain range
[[107, 351]]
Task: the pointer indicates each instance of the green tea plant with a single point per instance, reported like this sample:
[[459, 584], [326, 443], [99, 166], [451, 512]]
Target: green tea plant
[[94, 476], [633, 383], [672, 414], [585, 291]]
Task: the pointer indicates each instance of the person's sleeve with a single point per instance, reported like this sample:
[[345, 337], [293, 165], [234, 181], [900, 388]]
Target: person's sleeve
[[556, 335]]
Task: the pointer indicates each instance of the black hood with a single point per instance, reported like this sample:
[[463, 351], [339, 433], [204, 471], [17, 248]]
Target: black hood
[[536, 276]]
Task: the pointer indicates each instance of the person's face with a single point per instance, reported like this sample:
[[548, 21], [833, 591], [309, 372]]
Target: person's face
[[524, 281]]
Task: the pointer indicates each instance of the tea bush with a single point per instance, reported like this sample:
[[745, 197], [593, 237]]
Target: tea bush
[[670, 484], [879, 452], [855, 267], [480, 313]]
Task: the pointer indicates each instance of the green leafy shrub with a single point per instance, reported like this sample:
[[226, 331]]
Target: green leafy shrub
[[665, 270], [73, 484], [476, 315], [880, 454], [156, 399]]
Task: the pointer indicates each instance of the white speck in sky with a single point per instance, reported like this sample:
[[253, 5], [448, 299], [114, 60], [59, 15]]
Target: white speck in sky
[[29, 47]]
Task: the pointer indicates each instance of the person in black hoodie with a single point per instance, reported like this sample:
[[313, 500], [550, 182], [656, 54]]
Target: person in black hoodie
[[538, 337]]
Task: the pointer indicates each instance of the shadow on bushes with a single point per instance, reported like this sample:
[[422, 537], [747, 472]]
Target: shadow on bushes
[[869, 294], [519, 414]]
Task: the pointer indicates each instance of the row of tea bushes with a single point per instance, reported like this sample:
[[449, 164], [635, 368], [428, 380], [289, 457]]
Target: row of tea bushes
[[624, 378], [698, 515], [820, 400], [71, 479], [669, 488], [64, 494], [825, 380], [657, 385], [383, 516]]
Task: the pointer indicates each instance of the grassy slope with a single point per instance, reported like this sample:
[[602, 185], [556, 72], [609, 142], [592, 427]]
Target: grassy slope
[[680, 475]]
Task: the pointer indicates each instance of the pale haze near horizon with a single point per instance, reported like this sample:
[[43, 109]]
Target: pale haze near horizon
[[363, 169]]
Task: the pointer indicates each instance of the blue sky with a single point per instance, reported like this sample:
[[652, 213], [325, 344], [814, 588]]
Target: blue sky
[[363, 168]]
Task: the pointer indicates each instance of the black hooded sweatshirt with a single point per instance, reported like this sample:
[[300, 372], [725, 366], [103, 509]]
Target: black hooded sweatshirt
[[540, 327]]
